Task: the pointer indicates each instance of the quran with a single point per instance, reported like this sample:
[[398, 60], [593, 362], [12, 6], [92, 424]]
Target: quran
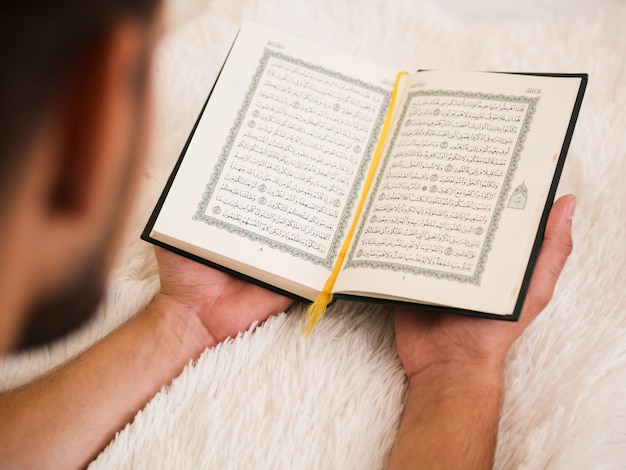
[[311, 171]]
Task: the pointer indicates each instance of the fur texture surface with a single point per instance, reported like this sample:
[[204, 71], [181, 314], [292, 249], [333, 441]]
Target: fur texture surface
[[271, 399]]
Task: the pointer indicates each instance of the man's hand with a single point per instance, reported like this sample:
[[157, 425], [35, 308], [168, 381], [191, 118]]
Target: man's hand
[[426, 338], [454, 364], [224, 304]]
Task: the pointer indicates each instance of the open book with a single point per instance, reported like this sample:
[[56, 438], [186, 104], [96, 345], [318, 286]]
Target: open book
[[271, 179]]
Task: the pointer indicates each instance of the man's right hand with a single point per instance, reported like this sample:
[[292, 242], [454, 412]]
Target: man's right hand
[[454, 364], [426, 338]]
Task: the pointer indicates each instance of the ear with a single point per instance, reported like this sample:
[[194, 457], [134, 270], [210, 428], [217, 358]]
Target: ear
[[98, 117], [92, 158]]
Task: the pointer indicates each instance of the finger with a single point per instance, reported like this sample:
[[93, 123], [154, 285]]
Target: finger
[[555, 249]]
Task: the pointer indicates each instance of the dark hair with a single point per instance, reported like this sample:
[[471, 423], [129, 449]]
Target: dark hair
[[39, 41]]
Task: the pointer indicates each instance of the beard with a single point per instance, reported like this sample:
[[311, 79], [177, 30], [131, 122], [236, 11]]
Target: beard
[[69, 308]]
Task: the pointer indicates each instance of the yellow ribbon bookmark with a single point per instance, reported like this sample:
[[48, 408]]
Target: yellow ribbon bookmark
[[316, 310]]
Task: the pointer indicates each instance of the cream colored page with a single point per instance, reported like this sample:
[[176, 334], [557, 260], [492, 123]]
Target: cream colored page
[[268, 181], [454, 216]]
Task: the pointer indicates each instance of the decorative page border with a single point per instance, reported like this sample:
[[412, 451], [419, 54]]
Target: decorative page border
[[201, 213], [500, 204]]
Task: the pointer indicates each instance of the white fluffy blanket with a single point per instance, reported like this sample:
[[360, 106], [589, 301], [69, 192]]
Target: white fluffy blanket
[[271, 399]]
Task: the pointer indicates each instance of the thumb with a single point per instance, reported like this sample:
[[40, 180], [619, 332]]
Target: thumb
[[556, 248]]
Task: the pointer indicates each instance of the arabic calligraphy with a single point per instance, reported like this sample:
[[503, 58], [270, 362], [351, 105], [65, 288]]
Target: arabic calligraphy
[[288, 174], [437, 203]]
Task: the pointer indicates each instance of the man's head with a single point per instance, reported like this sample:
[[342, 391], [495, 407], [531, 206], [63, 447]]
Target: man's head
[[73, 99]]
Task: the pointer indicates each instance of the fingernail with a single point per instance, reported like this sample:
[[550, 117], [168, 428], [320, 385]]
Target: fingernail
[[571, 208]]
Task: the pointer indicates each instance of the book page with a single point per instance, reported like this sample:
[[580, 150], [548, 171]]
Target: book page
[[458, 198], [269, 182]]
